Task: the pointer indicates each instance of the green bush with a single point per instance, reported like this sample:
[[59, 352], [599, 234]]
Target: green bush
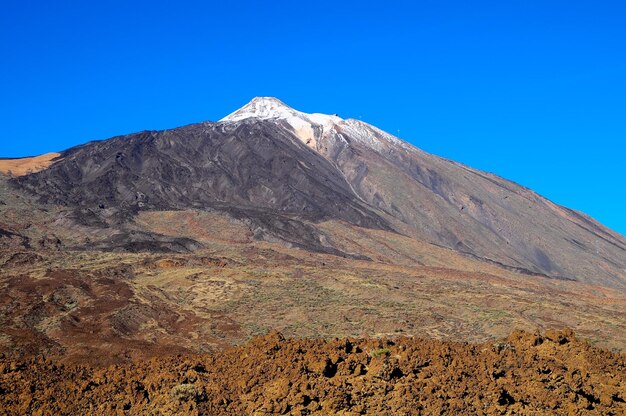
[[386, 352]]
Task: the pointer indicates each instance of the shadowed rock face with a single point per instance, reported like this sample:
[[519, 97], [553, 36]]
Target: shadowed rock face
[[9, 239], [248, 165], [284, 171], [253, 171]]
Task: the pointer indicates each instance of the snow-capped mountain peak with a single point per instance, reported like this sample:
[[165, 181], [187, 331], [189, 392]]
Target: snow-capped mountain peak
[[307, 127], [261, 107], [315, 128], [269, 107]]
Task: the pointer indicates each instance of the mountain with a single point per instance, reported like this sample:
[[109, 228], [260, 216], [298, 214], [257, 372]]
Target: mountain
[[196, 238], [285, 171]]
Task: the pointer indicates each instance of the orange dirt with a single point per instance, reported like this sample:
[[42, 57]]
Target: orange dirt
[[526, 373], [26, 165]]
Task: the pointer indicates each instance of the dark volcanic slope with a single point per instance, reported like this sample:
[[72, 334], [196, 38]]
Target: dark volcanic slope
[[252, 170], [203, 165], [283, 170]]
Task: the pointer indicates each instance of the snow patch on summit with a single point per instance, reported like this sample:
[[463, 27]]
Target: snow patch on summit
[[261, 108], [312, 129], [372, 136], [309, 128]]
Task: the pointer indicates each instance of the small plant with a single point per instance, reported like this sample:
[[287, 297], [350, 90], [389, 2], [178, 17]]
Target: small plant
[[381, 352], [503, 346], [186, 392]]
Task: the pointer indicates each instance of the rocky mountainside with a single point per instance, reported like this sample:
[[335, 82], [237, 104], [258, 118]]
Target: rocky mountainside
[[284, 172], [136, 250]]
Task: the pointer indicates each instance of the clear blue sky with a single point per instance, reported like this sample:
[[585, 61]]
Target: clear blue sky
[[532, 91]]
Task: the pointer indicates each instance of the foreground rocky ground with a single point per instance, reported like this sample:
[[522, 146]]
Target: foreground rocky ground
[[525, 373]]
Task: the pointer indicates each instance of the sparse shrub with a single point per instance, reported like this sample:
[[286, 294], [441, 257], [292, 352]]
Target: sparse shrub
[[381, 352], [186, 392], [503, 346]]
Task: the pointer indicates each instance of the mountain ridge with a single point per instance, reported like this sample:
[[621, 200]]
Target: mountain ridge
[[277, 162]]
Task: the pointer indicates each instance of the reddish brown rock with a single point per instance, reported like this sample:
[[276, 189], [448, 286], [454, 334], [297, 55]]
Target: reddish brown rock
[[274, 375]]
